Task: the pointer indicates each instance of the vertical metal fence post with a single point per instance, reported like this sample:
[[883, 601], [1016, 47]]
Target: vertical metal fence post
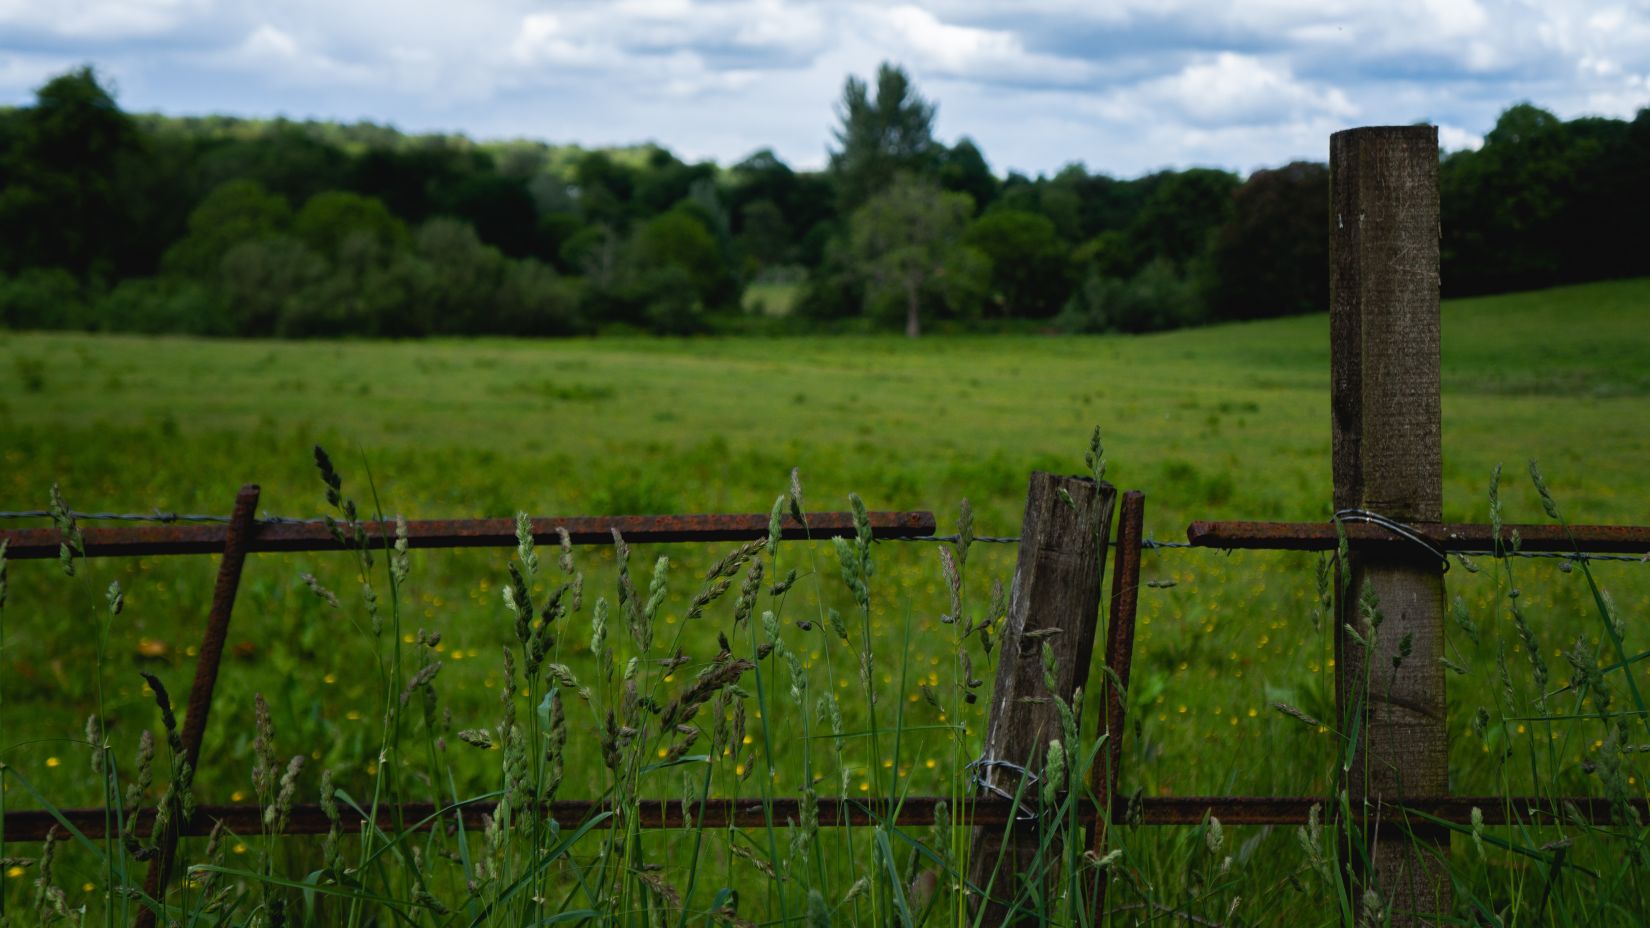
[[206, 679], [1107, 776]]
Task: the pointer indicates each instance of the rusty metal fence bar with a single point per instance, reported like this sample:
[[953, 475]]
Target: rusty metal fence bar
[[1448, 537], [263, 537], [308, 819]]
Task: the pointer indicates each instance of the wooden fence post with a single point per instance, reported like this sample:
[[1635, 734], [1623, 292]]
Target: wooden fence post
[[1388, 459], [1055, 600]]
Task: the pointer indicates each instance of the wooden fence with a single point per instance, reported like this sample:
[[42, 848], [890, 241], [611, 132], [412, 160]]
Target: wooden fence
[[1387, 465]]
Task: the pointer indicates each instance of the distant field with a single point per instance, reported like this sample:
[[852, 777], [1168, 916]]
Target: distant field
[[1224, 422], [771, 299]]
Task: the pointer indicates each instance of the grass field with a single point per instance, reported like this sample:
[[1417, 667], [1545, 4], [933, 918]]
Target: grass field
[[1225, 422]]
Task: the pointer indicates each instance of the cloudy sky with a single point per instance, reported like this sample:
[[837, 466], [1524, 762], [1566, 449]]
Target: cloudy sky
[[1125, 86]]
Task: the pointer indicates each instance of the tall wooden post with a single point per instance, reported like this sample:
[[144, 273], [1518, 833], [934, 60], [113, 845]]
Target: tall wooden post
[[1388, 459], [1055, 600]]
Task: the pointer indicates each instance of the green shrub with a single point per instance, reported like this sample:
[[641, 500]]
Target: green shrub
[[42, 298], [159, 305], [1155, 299]]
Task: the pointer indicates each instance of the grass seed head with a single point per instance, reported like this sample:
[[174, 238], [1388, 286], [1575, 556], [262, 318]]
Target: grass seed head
[[138, 787], [425, 675], [400, 559], [277, 814], [1297, 714], [657, 589], [94, 737], [834, 618], [783, 586], [1095, 457], [164, 702], [775, 519], [325, 595], [796, 495], [953, 583], [524, 544], [71, 543], [598, 626], [329, 797], [1548, 505], [748, 591], [329, 476], [712, 591], [1054, 772], [555, 742], [565, 542]]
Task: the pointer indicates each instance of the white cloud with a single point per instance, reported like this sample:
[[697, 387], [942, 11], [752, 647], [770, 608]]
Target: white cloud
[[22, 73], [1233, 89], [269, 50], [975, 54], [1125, 85], [1455, 138], [97, 19]]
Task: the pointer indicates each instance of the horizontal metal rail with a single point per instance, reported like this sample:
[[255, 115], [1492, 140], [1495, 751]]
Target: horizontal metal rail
[[1450, 537], [32, 825], [462, 533]]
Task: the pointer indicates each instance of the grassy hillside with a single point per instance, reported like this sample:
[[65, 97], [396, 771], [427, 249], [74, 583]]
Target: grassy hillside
[[1225, 422]]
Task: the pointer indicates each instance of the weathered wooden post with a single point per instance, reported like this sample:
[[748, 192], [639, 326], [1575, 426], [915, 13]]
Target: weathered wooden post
[[1055, 600], [1388, 460]]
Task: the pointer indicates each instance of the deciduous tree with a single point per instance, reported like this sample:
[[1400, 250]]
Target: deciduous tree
[[907, 242]]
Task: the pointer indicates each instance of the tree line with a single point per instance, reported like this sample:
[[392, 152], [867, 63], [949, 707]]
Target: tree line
[[222, 226]]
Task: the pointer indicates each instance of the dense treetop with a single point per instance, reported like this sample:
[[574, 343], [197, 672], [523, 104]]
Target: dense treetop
[[217, 225]]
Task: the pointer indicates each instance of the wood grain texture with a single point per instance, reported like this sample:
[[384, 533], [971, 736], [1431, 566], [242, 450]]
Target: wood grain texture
[[1056, 587], [1388, 458]]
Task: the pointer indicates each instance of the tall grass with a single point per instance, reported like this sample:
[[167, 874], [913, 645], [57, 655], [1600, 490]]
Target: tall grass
[[788, 673]]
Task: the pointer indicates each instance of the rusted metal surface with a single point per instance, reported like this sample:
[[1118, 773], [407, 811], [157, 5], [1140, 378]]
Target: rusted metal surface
[[1125, 598], [1321, 536], [463, 533], [833, 812], [206, 674]]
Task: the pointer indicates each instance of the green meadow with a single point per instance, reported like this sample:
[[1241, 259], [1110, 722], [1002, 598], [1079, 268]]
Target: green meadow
[[1226, 422]]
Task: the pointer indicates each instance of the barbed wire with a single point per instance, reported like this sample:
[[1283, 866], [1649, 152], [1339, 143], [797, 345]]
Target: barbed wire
[[1150, 544], [1147, 545], [1559, 555]]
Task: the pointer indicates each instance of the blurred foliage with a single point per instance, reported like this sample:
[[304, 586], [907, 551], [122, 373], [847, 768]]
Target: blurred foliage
[[226, 226]]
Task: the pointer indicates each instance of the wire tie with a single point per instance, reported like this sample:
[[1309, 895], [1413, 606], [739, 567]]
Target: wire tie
[[1395, 527]]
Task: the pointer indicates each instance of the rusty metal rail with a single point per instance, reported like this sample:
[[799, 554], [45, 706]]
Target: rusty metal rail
[[152, 540], [308, 819], [1450, 537]]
